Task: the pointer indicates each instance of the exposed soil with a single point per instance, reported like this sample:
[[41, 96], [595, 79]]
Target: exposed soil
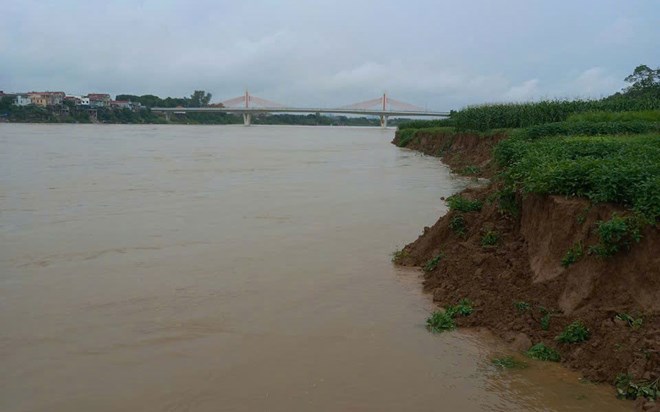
[[525, 266]]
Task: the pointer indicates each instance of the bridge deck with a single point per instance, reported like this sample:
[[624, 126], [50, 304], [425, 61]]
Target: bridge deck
[[255, 110]]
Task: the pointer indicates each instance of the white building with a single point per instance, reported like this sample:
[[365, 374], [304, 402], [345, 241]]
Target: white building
[[22, 100]]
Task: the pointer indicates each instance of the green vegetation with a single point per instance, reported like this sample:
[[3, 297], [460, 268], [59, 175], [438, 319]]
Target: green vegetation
[[645, 116], [545, 321], [463, 308], [626, 388], [587, 128], [432, 263], [458, 225], [573, 254], [633, 323], [490, 238], [544, 353], [470, 170], [574, 333], [399, 254], [521, 306], [617, 233], [508, 362], [463, 204], [439, 322], [425, 124]]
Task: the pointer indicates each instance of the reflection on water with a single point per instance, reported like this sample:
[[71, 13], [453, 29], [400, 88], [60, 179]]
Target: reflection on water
[[182, 268]]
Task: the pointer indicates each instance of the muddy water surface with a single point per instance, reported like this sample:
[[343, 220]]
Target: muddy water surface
[[184, 268]]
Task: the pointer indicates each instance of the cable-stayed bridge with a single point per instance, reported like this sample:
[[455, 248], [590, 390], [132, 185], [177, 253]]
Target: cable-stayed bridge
[[247, 105]]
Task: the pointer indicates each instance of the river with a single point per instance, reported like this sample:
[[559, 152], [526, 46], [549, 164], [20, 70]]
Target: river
[[231, 268]]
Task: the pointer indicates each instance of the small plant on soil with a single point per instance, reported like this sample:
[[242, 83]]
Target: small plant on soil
[[574, 333], [432, 263], [471, 170], [508, 362], [572, 255], [545, 321], [634, 323], [544, 353], [463, 308], [617, 234], [521, 306], [626, 388], [439, 322], [463, 204], [490, 238], [457, 224], [398, 255]]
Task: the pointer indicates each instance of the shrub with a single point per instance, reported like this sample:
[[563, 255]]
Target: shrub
[[404, 137], [507, 202], [545, 321], [586, 128], [572, 255], [603, 116], [432, 263], [470, 170], [616, 234], [425, 124], [399, 254], [626, 388], [457, 224], [462, 204], [440, 322], [544, 353], [574, 333], [508, 362]]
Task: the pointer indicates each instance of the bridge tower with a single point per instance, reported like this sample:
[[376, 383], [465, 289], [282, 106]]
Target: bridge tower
[[383, 118]]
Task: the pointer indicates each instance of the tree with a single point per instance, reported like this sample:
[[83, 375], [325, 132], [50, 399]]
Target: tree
[[643, 80], [200, 98]]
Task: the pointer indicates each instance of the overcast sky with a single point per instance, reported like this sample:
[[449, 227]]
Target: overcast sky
[[437, 54]]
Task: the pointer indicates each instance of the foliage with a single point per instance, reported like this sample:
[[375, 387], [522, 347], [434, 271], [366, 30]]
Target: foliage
[[642, 115], [457, 224], [463, 204], [439, 322], [199, 98], [544, 353], [507, 202], [470, 170], [508, 362], [399, 254], [424, 124], [574, 333], [634, 323], [643, 80], [626, 388], [616, 169], [573, 254], [521, 306], [432, 263], [589, 128], [617, 233], [405, 136], [545, 321], [490, 238], [463, 308]]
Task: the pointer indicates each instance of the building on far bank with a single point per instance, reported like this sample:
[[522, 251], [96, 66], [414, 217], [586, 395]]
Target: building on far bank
[[120, 104], [22, 99], [99, 99], [45, 99]]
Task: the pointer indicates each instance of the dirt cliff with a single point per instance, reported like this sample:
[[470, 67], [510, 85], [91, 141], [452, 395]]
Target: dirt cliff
[[519, 287]]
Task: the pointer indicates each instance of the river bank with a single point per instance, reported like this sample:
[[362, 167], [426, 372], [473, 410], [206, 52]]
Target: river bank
[[509, 264]]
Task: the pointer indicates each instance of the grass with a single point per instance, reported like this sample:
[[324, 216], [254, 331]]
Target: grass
[[508, 362], [589, 128], [544, 353], [458, 225], [627, 388], [463, 204], [432, 263], [574, 333], [490, 238], [470, 170], [573, 254], [603, 116], [617, 234], [633, 323], [545, 321]]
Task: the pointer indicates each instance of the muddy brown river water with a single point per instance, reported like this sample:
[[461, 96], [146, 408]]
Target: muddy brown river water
[[231, 268]]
